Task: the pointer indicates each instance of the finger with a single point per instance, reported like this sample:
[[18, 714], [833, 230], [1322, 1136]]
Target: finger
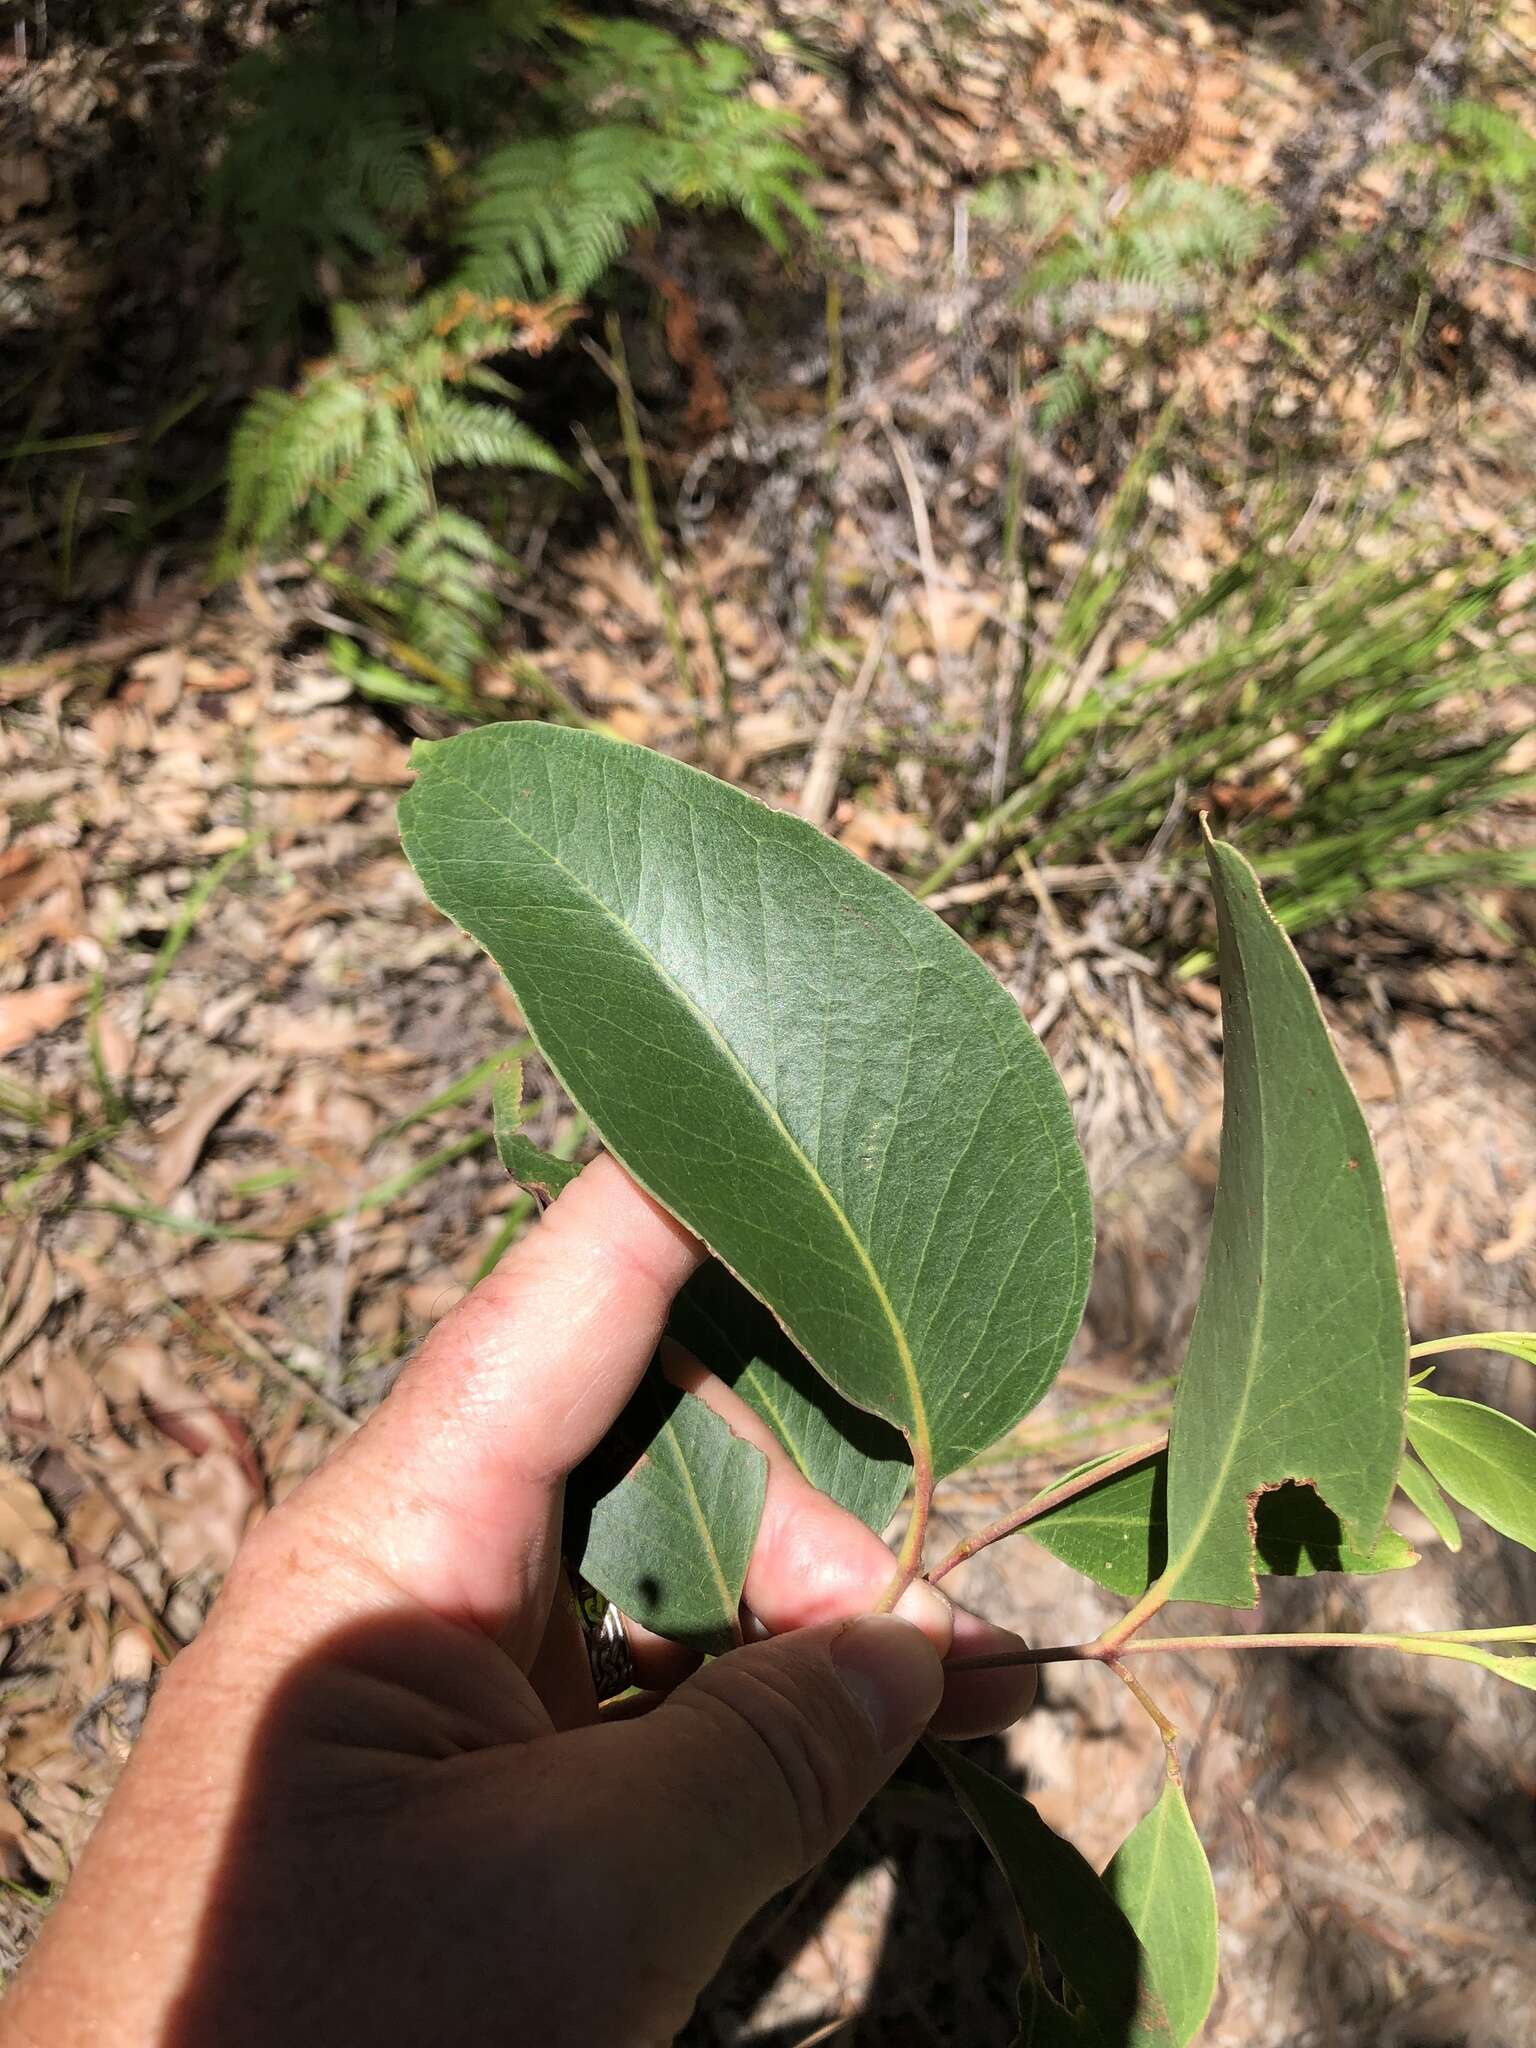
[[675, 1827], [452, 1491], [815, 1562], [560, 1670], [657, 1662]]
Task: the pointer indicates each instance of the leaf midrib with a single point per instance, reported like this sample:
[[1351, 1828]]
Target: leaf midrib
[[1175, 1568], [918, 1435], [696, 1509]]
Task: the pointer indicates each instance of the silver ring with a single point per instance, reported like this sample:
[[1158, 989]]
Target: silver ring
[[608, 1653]]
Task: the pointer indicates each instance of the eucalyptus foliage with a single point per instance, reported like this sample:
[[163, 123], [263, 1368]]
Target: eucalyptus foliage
[[822, 1081]]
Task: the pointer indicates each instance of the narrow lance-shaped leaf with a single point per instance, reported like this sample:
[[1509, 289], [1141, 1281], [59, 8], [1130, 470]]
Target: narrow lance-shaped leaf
[[1512, 1343], [1420, 1488], [670, 1543], [1513, 1670], [1117, 1533], [1297, 1362], [1061, 1900], [801, 1062], [1484, 1459], [1161, 1881]]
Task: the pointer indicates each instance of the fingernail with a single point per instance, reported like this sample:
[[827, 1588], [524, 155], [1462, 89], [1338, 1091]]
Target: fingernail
[[892, 1672], [928, 1609]]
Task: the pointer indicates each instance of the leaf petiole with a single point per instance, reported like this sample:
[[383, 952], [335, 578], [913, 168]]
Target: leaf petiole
[[909, 1559], [1045, 1503]]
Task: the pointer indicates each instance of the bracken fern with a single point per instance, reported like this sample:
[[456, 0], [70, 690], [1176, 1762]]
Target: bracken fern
[[618, 119], [1161, 247]]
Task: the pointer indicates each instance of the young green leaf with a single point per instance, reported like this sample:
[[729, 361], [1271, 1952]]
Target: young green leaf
[[528, 1164], [1061, 1900], [857, 1460], [1514, 1670], [1298, 1359], [670, 1543], [1161, 1881], [802, 1063], [1484, 1459], [1415, 1482], [1117, 1533], [1513, 1343]]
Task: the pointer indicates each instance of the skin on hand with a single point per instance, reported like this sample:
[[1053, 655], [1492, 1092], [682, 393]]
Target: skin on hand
[[375, 1802]]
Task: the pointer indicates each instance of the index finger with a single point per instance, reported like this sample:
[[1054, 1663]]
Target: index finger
[[451, 1492]]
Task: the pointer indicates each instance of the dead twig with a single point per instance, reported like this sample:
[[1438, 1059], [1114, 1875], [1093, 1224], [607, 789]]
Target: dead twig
[[831, 747]]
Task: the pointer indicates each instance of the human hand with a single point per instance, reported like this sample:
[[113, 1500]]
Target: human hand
[[374, 1801]]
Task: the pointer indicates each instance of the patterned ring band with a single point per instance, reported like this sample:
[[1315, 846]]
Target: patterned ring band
[[602, 1626]]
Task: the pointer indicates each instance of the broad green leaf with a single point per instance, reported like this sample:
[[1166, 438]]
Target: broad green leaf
[[528, 1165], [670, 1543], [1431, 1503], [1298, 1359], [1117, 1533], [802, 1063], [1513, 1343], [1161, 1881], [1068, 1908], [1484, 1459], [856, 1459]]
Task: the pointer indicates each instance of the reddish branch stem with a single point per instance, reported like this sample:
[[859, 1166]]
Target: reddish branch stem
[[1045, 1503]]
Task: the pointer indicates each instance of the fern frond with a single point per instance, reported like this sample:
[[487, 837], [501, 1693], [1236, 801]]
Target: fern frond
[[552, 215], [456, 431], [344, 154]]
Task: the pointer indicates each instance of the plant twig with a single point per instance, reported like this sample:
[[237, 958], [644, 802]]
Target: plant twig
[[645, 507], [938, 608], [1013, 648], [281, 1373], [1431, 1644], [1149, 1706], [832, 741], [1119, 1636], [1045, 1503]]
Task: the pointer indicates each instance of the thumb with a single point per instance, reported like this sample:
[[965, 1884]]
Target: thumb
[[745, 1778]]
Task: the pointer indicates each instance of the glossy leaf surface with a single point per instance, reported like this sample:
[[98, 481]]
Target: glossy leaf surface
[[1297, 1361], [796, 1058]]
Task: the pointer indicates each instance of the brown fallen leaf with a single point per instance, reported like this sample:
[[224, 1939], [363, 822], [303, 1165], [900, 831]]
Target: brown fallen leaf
[[30, 1012], [28, 1531], [314, 1034], [26, 1293], [182, 1139]]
